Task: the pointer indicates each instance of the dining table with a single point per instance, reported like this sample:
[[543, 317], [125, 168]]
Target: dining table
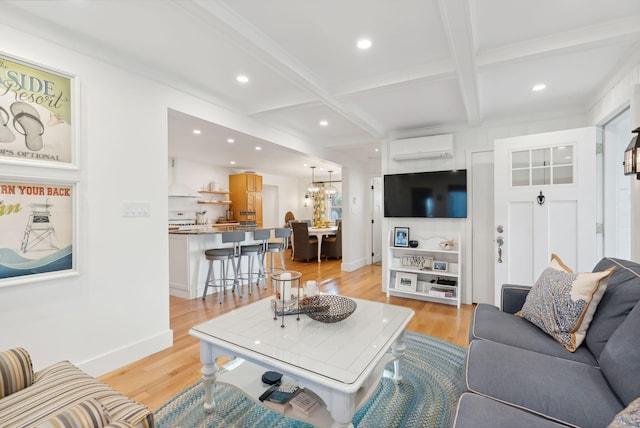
[[321, 232]]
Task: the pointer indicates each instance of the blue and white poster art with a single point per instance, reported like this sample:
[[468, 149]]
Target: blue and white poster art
[[36, 229], [35, 114]]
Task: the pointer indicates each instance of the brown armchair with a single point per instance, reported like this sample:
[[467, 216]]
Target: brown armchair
[[332, 244], [304, 246]]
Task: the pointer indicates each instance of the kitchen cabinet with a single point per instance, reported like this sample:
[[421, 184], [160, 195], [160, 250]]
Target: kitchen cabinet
[[246, 194]]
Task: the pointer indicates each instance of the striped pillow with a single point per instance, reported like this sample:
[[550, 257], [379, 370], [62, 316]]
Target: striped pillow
[[16, 371], [87, 414]]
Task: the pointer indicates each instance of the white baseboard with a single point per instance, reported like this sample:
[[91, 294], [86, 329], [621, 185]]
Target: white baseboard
[[119, 357], [350, 267]]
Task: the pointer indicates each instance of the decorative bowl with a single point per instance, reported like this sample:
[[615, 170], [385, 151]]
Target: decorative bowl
[[413, 244], [328, 308]]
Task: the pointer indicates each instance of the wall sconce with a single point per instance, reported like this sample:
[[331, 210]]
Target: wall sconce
[[307, 200], [632, 156]]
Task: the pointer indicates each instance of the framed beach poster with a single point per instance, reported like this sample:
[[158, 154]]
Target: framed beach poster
[[37, 230], [36, 115]]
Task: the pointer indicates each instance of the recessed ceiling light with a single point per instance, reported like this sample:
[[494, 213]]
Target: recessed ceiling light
[[242, 78], [258, 148], [232, 162], [324, 123], [364, 44], [538, 87], [377, 149], [230, 140], [197, 131]]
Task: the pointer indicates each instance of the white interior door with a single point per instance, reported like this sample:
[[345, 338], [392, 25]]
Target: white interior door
[[482, 236], [545, 202], [376, 217]]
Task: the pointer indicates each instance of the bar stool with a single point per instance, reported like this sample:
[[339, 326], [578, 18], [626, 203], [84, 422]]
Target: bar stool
[[254, 252], [223, 255], [279, 247]]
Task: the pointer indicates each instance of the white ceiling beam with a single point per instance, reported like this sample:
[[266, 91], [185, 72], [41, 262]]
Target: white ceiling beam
[[457, 26], [582, 38], [261, 46]]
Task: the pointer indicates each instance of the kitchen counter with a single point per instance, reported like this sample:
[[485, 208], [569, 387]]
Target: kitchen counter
[[188, 266]]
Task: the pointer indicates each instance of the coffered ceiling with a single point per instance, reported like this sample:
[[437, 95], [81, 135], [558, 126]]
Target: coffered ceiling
[[434, 66]]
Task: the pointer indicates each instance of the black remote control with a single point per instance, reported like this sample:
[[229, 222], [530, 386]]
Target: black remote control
[[268, 392]]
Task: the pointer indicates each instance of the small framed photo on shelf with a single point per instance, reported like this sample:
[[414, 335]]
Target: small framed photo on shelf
[[406, 281], [400, 236], [440, 266]]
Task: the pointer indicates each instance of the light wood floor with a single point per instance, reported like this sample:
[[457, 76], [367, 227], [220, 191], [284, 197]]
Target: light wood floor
[[155, 379]]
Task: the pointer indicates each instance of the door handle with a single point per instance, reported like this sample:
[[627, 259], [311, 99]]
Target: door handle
[[500, 242]]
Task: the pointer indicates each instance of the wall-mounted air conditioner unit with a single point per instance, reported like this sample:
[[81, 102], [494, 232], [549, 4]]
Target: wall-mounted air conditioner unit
[[434, 147], [437, 154]]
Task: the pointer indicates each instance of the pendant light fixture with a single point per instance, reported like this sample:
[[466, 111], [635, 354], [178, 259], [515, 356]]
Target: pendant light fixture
[[331, 190], [313, 188]]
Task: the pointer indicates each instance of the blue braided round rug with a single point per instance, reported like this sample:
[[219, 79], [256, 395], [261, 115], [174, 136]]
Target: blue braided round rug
[[432, 373]]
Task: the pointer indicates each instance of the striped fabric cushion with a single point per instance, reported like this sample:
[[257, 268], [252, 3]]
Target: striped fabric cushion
[[87, 414], [61, 386], [16, 371]]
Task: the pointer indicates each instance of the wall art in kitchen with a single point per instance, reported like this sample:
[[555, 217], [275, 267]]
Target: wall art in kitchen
[[36, 115], [37, 230]]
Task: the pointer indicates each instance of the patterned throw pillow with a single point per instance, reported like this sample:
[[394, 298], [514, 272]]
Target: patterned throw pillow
[[87, 414], [562, 303], [16, 371], [629, 417]]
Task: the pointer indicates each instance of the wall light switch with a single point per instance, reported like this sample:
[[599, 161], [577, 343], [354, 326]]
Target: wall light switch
[[136, 209]]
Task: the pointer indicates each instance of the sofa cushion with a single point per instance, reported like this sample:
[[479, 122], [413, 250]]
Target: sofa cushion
[[562, 303], [16, 371], [620, 358], [61, 386], [490, 323], [629, 417], [477, 411], [86, 414], [555, 388], [622, 294]]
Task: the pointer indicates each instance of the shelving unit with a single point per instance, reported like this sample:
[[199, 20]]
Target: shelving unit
[[411, 272], [214, 201]]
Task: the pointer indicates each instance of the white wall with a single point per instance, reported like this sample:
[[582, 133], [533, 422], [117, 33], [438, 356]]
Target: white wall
[[635, 183], [197, 176], [116, 309]]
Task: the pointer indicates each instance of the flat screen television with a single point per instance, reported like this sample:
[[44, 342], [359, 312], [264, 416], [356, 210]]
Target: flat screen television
[[437, 194]]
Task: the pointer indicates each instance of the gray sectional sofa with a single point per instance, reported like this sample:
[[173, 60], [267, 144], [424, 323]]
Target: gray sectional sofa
[[519, 376]]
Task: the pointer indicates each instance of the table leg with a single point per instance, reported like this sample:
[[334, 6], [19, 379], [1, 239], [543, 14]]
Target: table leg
[[208, 371], [397, 349], [342, 408], [319, 246]]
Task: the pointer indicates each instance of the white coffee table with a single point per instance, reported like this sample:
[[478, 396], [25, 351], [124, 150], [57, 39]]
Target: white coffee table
[[340, 362]]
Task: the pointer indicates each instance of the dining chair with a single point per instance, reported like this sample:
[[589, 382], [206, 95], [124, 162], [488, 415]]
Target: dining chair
[[332, 244], [304, 246]]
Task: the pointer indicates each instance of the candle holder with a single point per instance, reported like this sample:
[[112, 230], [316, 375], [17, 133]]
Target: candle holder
[[283, 283]]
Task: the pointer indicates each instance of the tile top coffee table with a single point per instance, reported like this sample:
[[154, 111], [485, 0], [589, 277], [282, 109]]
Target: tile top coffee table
[[340, 362]]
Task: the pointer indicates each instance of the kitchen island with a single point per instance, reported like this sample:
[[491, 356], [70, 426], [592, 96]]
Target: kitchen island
[[188, 266]]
